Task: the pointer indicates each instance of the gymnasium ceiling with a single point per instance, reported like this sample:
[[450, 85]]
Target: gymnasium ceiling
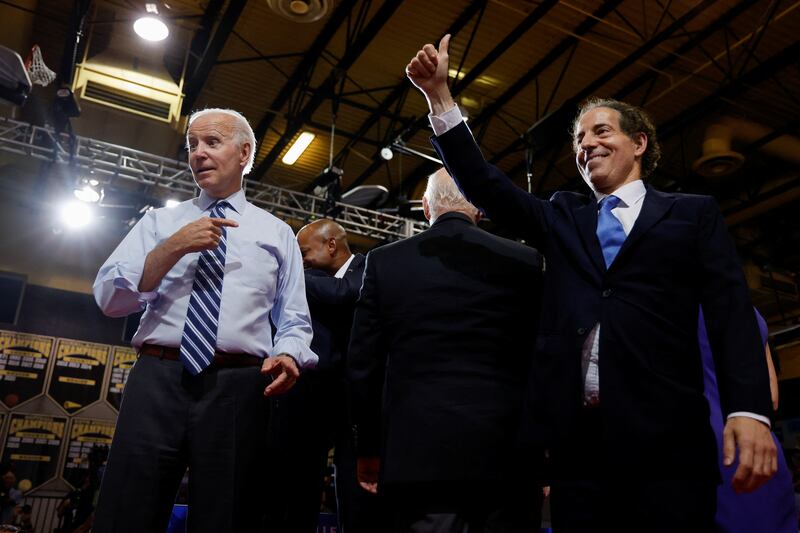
[[519, 69]]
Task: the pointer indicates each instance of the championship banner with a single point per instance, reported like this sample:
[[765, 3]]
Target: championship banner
[[33, 445], [23, 366], [89, 440], [121, 365], [77, 379]]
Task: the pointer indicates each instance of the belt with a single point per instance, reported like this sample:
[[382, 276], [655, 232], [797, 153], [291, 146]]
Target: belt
[[221, 359]]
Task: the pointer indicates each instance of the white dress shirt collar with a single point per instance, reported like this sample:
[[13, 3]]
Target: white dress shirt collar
[[629, 194], [237, 200], [343, 270]]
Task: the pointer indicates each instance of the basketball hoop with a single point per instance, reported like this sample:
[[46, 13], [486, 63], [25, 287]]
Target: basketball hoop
[[37, 70]]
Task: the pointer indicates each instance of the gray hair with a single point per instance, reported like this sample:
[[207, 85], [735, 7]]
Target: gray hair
[[241, 128], [444, 196]]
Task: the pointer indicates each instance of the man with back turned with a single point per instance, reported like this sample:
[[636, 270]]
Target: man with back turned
[[438, 361]]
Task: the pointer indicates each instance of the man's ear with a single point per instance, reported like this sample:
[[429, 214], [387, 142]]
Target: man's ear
[[332, 245], [426, 209], [640, 144], [244, 154]]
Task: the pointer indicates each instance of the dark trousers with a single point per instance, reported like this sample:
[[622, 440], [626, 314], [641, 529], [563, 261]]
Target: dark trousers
[[359, 511], [634, 506], [304, 425], [465, 507], [169, 420], [589, 495]]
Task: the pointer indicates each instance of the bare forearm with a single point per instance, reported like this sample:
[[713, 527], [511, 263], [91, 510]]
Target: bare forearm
[[440, 100], [156, 265]]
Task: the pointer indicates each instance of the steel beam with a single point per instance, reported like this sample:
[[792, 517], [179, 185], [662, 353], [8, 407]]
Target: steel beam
[[354, 51], [755, 75], [113, 163], [552, 56], [553, 123], [766, 69], [309, 59], [401, 88], [695, 39], [650, 75], [198, 78], [459, 85], [75, 33]]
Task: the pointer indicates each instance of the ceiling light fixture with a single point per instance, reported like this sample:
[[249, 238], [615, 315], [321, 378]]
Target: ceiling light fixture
[[386, 153], [151, 27], [299, 7], [298, 148]]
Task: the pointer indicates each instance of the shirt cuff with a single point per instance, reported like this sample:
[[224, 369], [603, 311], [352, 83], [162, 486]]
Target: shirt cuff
[[445, 122], [297, 350], [121, 282], [754, 416]]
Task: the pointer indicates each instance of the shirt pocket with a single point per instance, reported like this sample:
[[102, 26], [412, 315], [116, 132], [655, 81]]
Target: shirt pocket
[[253, 267]]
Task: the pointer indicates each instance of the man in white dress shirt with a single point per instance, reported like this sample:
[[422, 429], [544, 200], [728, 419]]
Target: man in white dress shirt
[[211, 275]]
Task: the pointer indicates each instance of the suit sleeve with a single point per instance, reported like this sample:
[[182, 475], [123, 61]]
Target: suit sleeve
[[731, 323], [488, 188], [366, 362], [327, 290]]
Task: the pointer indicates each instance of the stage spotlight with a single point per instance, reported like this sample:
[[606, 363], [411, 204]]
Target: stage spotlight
[[75, 215], [151, 27], [386, 153], [88, 190], [87, 194], [171, 203]]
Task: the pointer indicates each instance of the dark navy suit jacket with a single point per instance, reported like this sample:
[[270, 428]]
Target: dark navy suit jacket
[[331, 302], [677, 257], [440, 352]]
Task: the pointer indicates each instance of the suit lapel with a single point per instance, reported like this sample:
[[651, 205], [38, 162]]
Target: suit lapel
[[356, 266], [655, 206], [586, 220]]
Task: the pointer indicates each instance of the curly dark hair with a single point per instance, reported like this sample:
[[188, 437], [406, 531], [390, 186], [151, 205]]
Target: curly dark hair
[[632, 120]]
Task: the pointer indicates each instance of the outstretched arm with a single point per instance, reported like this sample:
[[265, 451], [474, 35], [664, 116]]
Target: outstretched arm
[[487, 187]]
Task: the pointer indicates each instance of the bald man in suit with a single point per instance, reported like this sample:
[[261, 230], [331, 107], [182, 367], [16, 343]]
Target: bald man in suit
[[314, 417]]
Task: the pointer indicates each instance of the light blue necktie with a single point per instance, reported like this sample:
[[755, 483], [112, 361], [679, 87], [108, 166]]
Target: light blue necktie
[[199, 339], [609, 229]]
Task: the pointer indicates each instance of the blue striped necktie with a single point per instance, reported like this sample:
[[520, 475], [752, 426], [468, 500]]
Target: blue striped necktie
[[609, 229], [199, 340]]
